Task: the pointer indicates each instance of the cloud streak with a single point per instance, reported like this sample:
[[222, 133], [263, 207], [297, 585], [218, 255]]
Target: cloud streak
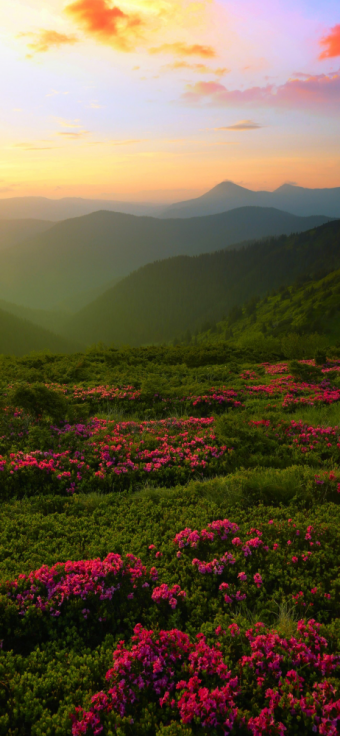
[[316, 93], [331, 44], [32, 146], [45, 39], [73, 135], [105, 22], [180, 48], [241, 125]]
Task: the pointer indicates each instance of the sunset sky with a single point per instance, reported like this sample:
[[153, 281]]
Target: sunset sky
[[163, 99]]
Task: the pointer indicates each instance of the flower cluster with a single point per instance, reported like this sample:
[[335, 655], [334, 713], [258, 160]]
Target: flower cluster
[[108, 451], [154, 446], [220, 528], [49, 588], [171, 595]]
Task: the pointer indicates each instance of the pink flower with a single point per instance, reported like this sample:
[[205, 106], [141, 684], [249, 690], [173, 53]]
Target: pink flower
[[258, 580], [234, 629]]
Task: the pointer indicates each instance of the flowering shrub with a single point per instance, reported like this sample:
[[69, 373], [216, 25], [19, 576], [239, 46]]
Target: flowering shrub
[[192, 683], [49, 588], [291, 554]]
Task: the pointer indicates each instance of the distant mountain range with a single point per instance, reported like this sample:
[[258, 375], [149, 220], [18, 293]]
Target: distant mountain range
[[164, 299], [43, 208], [227, 196], [85, 253], [222, 198]]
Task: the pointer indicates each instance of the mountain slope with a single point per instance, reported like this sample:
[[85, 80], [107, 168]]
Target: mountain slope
[[163, 299], [53, 320], [227, 196], [18, 337], [15, 231], [86, 252], [308, 308]]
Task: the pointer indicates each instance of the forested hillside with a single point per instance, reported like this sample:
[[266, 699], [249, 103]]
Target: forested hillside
[[86, 252], [290, 319], [164, 299]]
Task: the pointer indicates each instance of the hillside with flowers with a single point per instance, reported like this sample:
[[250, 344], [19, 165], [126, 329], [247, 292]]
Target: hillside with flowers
[[169, 542]]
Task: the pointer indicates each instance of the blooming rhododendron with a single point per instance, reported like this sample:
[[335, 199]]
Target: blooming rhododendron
[[195, 684]]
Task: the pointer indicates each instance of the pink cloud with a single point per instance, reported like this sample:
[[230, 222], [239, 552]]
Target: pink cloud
[[331, 44], [314, 92]]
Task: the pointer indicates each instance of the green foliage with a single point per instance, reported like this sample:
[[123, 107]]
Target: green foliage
[[305, 372], [39, 400], [320, 357]]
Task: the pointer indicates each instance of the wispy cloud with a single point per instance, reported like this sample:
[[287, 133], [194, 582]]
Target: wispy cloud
[[318, 93], [127, 142], [180, 48], [55, 92], [198, 68], [34, 146], [241, 125], [331, 44], [45, 39], [73, 135], [70, 123], [106, 23]]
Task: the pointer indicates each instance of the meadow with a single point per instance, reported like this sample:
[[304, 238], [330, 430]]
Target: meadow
[[169, 543]]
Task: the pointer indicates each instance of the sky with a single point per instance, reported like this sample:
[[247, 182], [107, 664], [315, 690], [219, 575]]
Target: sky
[[160, 100]]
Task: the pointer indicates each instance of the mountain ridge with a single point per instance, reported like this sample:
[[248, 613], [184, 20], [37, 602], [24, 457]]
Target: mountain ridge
[[86, 252], [164, 299], [227, 195], [45, 208]]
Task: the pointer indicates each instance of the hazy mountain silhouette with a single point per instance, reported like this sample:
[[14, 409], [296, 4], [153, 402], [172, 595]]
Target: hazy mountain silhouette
[[86, 252], [15, 231], [227, 196], [50, 319], [163, 299], [66, 207], [19, 337]]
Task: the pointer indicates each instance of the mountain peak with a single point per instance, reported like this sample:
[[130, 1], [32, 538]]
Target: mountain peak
[[227, 188]]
